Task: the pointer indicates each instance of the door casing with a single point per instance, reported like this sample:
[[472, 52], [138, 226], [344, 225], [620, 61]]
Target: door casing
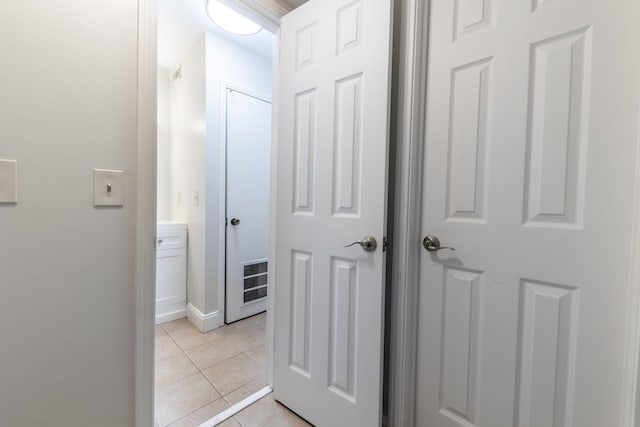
[[408, 100]]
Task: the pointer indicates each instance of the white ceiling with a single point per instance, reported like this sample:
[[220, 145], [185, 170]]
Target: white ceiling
[[182, 22]]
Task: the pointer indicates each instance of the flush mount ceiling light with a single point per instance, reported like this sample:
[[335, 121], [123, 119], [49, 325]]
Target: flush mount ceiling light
[[230, 20]]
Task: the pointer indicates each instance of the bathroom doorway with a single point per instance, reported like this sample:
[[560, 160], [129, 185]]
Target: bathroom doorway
[[214, 155]]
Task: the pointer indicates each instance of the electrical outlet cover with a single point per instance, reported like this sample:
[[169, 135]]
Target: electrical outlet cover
[[108, 187], [8, 181]]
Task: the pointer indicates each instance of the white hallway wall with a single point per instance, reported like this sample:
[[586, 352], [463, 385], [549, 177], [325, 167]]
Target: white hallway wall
[[164, 144], [187, 159], [195, 146], [67, 105]]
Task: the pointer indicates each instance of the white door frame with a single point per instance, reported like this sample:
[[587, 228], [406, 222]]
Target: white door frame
[[222, 190], [273, 208], [146, 207], [409, 83], [631, 403]]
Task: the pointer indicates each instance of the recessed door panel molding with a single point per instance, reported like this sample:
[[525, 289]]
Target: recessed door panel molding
[[306, 47], [537, 4], [350, 27], [304, 152], [557, 140], [171, 273], [348, 146], [468, 140], [301, 303], [549, 319], [343, 331], [471, 15], [460, 323]]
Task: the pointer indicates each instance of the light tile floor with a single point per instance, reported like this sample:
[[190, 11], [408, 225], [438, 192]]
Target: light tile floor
[[200, 375]]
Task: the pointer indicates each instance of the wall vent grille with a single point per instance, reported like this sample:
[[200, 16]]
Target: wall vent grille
[[255, 280]]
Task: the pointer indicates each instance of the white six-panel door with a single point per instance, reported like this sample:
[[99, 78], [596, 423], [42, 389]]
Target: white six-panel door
[[332, 180], [532, 132]]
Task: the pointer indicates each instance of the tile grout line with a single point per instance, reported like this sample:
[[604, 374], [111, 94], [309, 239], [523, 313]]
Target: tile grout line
[[236, 389], [212, 385], [192, 412], [252, 359], [187, 356], [172, 339], [208, 403], [219, 361]]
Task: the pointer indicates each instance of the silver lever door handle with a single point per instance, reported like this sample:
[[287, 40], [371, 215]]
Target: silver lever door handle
[[368, 243], [432, 244]]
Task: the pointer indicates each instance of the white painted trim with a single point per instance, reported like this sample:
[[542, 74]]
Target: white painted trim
[[238, 88], [222, 188], [222, 205], [273, 207], [204, 322], [173, 315], [631, 393], [230, 412], [410, 81], [145, 208]]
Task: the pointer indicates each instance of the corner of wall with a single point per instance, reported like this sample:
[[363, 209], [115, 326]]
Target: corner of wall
[[204, 322]]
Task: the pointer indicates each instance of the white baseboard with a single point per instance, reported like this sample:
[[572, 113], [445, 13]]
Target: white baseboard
[[171, 315], [204, 322]]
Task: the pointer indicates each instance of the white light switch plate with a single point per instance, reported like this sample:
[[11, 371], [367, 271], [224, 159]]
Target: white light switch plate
[[108, 187], [8, 181]]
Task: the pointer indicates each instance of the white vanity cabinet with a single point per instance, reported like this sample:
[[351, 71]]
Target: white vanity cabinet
[[171, 271]]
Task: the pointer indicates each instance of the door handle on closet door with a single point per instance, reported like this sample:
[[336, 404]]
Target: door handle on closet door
[[432, 244], [368, 243]]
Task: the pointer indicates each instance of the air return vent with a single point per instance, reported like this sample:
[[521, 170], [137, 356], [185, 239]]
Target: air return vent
[[255, 280]]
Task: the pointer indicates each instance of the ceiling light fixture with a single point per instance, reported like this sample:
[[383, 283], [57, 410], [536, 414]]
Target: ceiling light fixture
[[230, 20]]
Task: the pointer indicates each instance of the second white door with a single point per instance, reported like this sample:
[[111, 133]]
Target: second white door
[[248, 146], [332, 180], [530, 162]]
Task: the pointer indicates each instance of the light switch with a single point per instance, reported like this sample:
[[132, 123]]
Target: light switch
[[8, 181], [108, 187]]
